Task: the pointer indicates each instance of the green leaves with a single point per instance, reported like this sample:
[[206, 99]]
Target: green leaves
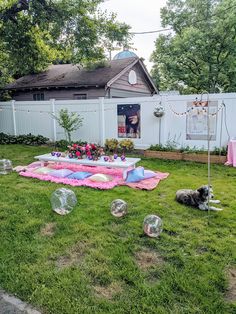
[[200, 54], [55, 31], [69, 121]]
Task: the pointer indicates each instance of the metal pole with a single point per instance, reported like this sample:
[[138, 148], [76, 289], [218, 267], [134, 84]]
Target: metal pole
[[209, 156]]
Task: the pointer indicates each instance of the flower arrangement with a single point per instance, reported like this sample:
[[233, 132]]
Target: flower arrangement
[[90, 151]]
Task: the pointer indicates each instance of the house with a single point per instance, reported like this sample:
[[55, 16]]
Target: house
[[121, 77]]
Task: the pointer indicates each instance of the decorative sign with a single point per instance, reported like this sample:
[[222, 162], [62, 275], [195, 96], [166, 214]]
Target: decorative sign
[[197, 121], [129, 121]]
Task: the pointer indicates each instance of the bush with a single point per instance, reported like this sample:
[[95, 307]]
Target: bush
[[63, 144], [111, 144], [126, 145], [186, 149], [27, 139]]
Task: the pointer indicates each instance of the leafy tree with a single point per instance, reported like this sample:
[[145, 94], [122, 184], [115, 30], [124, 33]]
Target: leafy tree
[[69, 122], [200, 53], [35, 33]]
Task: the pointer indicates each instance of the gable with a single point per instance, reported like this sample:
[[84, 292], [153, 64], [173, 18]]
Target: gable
[[142, 85]]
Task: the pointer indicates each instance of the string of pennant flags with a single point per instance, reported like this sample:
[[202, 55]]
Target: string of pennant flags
[[200, 107]]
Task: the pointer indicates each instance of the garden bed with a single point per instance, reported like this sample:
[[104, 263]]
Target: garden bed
[[184, 156]]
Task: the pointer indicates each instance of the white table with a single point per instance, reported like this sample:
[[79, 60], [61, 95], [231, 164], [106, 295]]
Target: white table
[[118, 163]]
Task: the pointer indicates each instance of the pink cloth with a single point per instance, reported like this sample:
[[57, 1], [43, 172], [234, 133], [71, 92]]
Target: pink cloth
[[117, 175], [231, 155]]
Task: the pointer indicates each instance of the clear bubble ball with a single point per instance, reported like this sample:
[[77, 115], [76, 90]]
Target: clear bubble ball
[[119, 208], [63, 201], [152, 226], [5, 166]]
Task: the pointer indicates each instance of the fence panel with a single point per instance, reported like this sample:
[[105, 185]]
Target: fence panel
[[35, 117], [6, 118]]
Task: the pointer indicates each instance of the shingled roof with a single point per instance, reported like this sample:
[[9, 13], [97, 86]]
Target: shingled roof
[[69, 75]]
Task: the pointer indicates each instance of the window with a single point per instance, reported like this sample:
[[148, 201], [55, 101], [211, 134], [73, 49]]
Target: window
[[39, 96], [80, 96]]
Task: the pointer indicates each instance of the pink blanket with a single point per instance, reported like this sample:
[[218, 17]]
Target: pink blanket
[[117, 175]]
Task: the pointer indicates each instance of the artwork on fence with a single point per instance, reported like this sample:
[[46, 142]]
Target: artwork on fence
[[196, 120], [128, 118]]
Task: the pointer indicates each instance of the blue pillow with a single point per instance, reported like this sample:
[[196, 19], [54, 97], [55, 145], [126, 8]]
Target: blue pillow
[[62, 173], [149, 174], [135, 175], [79, 175]]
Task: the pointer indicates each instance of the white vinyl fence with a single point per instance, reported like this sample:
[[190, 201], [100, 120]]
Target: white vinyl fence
[[100, 119]]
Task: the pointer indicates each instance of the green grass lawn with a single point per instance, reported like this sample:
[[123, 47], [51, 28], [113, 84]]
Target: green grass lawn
[[91, 262]]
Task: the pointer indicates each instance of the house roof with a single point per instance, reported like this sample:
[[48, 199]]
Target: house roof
[[69, 75]]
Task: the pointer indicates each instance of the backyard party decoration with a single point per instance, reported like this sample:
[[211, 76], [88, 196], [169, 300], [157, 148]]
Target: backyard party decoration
[[152, 226], [5, 166], [205, 127], [119, 208], [63, 201]]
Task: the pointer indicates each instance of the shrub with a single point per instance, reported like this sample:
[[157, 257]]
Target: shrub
[[27, 139], [69, 122], [126, 145], [111, 144], [186, 149], [63, 144]]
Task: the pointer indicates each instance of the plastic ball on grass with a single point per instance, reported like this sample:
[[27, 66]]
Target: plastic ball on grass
[[63, 201], [152, 226], [119, 208], [5, 166]]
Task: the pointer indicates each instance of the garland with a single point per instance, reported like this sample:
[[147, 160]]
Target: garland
[[200, 106]]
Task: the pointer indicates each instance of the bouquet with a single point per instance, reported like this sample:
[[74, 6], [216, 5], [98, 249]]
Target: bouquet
[[90, 151]]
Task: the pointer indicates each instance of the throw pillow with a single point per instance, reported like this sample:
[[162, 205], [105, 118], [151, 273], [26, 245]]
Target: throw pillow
[[100, 177], [43, 170], [62, 173], [80, 175], [149, 174], [135, 175]]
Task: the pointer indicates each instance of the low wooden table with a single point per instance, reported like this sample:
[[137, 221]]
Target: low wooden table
[[118, 163]]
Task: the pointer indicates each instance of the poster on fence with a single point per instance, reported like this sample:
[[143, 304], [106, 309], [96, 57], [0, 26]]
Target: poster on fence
[[128, 118], [196, 121]]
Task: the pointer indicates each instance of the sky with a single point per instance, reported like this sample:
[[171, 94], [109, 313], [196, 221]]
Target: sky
[[142, 16]]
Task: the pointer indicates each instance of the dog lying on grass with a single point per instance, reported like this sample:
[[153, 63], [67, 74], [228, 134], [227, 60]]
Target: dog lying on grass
[[197, 198]]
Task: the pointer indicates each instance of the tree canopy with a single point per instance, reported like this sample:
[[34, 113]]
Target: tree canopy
[[35, 33], [199, 54]]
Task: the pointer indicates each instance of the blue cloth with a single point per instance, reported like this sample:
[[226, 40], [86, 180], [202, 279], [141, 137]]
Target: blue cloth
[[62, 173], [79, 175], [135, 175]]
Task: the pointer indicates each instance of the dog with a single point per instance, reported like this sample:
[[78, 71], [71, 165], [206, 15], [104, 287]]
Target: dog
[[197, 198]]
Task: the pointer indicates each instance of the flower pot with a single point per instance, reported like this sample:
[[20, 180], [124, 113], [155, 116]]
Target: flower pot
[[203, 158]]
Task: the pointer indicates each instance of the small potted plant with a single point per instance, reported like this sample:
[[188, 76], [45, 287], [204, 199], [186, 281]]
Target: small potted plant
[[159, 111]]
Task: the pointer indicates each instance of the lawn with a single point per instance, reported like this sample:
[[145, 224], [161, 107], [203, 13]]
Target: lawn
[[90, 262]]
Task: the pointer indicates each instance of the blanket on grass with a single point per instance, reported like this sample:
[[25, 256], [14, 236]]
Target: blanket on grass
[[116, 174]]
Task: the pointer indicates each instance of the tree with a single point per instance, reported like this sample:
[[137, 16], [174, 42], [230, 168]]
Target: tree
[[200, 53], [35, 33], [69, 122]]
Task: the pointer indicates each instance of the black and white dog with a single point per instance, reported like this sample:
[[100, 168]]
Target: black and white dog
[[197, 198]]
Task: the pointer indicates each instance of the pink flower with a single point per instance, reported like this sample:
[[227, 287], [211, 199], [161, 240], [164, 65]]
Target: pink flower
[[88, 153], [87, 147], [78, 154]]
